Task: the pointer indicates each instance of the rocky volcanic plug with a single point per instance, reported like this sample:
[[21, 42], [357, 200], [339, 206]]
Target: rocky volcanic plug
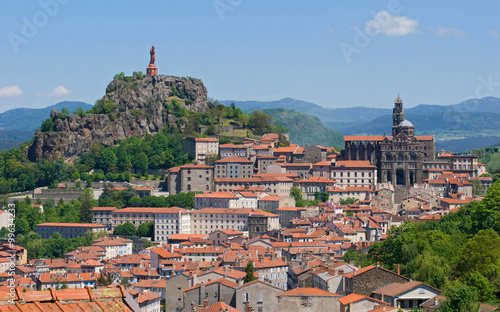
[[137, 106]]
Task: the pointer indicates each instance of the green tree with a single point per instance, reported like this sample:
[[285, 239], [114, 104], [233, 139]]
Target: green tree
[[249, 273], [80, 112], [47, 125], [348, 201], [487, 213], [145, 229], [431, 269], [65, 111], [126, 229], [148, 244], [480, 285], [481, 254], [459, 298], [210, 159], [106, 158], [141, 162]]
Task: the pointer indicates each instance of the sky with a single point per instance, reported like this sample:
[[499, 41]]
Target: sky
[[331, 53]]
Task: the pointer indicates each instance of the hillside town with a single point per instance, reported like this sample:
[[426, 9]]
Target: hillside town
[[275, 227]]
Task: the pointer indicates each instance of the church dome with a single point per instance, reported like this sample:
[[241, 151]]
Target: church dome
[[406, 123]]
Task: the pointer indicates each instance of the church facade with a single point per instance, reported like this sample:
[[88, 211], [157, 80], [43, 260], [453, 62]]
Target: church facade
[[399, 157]]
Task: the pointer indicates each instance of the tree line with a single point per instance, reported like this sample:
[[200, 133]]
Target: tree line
[[459, 254]]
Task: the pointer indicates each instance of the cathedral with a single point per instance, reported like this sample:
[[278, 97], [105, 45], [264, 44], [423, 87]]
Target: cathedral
[[399, 157]]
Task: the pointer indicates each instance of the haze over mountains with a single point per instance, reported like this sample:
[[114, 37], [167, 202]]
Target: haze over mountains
[[470, 124]]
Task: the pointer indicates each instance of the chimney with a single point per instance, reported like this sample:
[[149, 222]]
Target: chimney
[[205, 302], [341, 272], [331, 271], [435, 301], [399, 271], [378, 264]]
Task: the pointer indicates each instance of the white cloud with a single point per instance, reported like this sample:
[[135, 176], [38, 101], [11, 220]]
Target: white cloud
[[449, 32], [58, 91], [494, 33], [10, 91], [391, 25]]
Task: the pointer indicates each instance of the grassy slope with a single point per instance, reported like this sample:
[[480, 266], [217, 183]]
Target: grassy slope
[[305, 129]]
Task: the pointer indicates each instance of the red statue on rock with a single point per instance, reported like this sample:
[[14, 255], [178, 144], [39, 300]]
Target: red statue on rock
[[152, 70], [153, 58]]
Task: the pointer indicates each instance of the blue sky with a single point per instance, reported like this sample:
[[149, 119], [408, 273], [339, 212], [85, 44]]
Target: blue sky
[[332, 53]]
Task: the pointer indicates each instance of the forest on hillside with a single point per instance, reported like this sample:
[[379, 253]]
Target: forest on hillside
[[162, 150], [459, 253]]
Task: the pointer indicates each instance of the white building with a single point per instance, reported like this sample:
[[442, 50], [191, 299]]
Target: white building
[[114, 246], [207, 220], [168, 221]]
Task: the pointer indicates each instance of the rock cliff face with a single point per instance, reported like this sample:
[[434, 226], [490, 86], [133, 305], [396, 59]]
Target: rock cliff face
[[132, 107]]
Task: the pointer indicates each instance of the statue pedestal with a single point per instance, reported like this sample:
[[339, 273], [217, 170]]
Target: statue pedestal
[[152, 70]]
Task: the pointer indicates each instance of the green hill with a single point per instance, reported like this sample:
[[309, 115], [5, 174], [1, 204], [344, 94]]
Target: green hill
[[305, 129], [28, 119]]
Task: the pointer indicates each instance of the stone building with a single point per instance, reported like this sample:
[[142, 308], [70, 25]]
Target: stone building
[[271, 203], [104, 216], [399, 158], [260, 222], [174, 296], [199, 148], [192, 177], [67, 230], [233, 167], [368, 279], [314, 154], [308, 299], [263, 161], [212, 291], [231, 149], [261, 296]]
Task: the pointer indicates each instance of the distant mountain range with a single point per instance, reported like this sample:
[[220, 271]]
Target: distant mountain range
[[464, 126], [28, 119], [18, 125], [474, 122]]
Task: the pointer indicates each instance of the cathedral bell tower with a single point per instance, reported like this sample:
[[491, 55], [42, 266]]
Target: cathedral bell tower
[[398, 116], [398, 112]]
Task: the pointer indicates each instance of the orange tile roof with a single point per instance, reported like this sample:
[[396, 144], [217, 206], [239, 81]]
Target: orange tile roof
[[308, 292], [424, 137], [219, 306], [233, 159], [206, 139], [271, 198], [363, 138], [316, 180], [351, 189], [291, 209], [174, 210], [353, 164], [352, 298], [216, 195], [195, 166], [104, 208]]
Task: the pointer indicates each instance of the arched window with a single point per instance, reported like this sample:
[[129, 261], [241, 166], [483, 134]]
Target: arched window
[[400, 157], [388, 156]]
